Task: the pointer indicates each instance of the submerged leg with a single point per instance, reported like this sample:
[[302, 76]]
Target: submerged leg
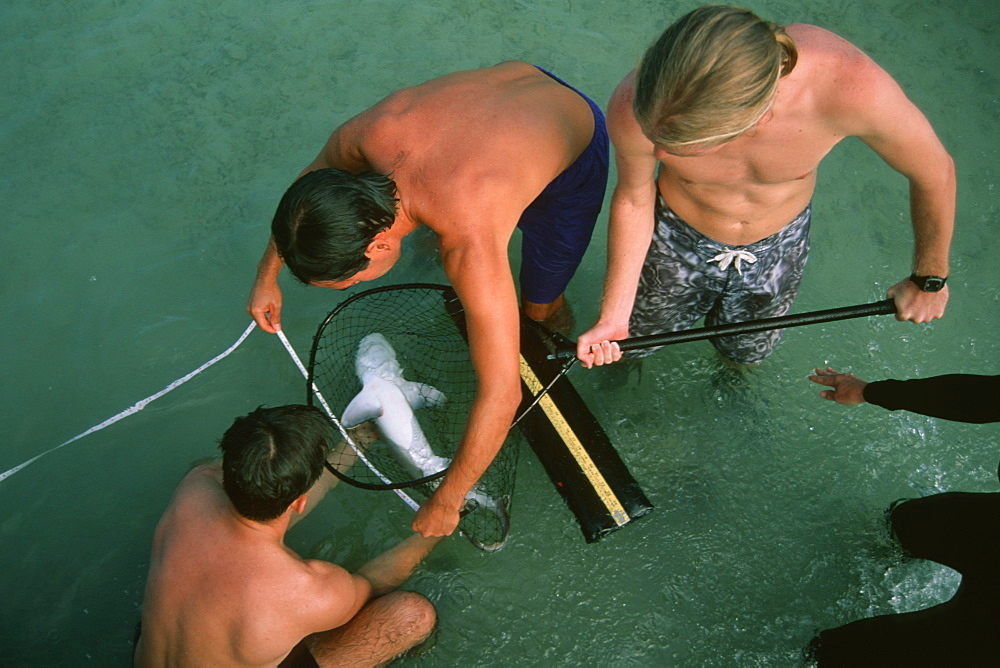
[[556, 315]]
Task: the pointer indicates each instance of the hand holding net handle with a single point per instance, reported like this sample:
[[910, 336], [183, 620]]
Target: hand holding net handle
[[883, 307]]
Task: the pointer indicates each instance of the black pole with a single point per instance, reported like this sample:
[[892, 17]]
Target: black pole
[[883, 307]]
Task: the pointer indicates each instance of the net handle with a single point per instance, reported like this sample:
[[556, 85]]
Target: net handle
[[883, 307]]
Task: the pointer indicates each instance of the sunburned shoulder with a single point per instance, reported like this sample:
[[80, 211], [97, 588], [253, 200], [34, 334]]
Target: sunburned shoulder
[[209, 469], [623, 129], [447, 85], [840, 77], [623, 96], [317, 568], [814, 37], [820, 48]]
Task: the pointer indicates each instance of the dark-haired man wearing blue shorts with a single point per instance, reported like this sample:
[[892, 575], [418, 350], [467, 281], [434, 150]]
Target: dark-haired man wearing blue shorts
[[471, 155]]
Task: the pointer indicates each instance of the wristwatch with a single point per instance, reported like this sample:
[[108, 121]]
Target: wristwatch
[[928, 283]]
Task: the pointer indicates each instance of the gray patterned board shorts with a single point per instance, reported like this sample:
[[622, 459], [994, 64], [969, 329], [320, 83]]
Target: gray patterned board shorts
[[686, 276]]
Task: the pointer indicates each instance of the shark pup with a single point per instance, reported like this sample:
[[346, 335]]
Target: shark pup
[[390, 400]]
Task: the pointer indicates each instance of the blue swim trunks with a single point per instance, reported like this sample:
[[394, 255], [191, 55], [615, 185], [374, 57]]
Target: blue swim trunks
[[687, 275], [557, 226]]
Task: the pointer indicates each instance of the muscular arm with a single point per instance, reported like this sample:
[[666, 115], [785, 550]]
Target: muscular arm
[[874, 108], [478, 270], [630, 228]]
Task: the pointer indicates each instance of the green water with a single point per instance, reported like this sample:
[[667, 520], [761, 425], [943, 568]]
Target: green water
[[145, 145]]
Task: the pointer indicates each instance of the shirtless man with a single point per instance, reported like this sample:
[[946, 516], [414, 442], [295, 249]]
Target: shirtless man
[[224, 590], [471, 155], [737, 114]]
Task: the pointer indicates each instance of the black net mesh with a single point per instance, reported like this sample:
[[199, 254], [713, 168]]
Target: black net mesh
[[425, 327]]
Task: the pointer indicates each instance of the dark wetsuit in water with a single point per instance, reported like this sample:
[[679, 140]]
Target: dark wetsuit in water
[[957, 529]]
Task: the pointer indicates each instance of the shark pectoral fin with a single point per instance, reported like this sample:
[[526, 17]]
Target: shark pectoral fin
[[419, 395], [363, 407]]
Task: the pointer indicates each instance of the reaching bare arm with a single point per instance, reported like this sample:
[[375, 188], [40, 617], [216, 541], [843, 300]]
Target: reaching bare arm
[[479, 272], [265, 296], [629, 230]]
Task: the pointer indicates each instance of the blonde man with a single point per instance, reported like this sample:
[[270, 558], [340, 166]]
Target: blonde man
[[718, 135]]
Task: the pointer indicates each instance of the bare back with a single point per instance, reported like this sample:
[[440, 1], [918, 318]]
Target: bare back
[[222, 593], [455, 144]]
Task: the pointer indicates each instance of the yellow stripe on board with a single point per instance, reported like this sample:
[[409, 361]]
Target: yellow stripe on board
[[575, 447]]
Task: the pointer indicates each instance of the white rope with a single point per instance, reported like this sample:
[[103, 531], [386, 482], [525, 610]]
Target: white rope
[[180, 381], [138, 406], [298, 362]]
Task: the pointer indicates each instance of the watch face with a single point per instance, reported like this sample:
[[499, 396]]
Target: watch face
[[933, 284]]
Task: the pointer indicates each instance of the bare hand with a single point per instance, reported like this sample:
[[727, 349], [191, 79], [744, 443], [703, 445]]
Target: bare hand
[[915, 305], [435, 518], [265, 305], [598, 345], [848, 389]]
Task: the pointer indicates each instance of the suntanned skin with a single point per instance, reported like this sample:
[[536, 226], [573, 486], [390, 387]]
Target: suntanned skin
[[223, 590], [749, 188], [469, 152]]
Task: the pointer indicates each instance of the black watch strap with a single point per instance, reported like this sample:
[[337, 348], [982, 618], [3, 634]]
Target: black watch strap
[[929, 283]]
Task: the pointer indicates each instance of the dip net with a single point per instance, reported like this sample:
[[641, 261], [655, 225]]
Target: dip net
[[424, 326]]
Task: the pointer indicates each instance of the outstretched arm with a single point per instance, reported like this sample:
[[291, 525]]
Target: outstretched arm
[[340, 457], [393, 567], [958, 397], [478, 270], [630, 230]]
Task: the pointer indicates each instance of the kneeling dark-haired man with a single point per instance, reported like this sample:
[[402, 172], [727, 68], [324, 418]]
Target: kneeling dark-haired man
[[224, 590]]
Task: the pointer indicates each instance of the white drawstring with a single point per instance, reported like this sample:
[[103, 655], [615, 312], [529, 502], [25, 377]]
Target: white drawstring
[[729, 255]]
